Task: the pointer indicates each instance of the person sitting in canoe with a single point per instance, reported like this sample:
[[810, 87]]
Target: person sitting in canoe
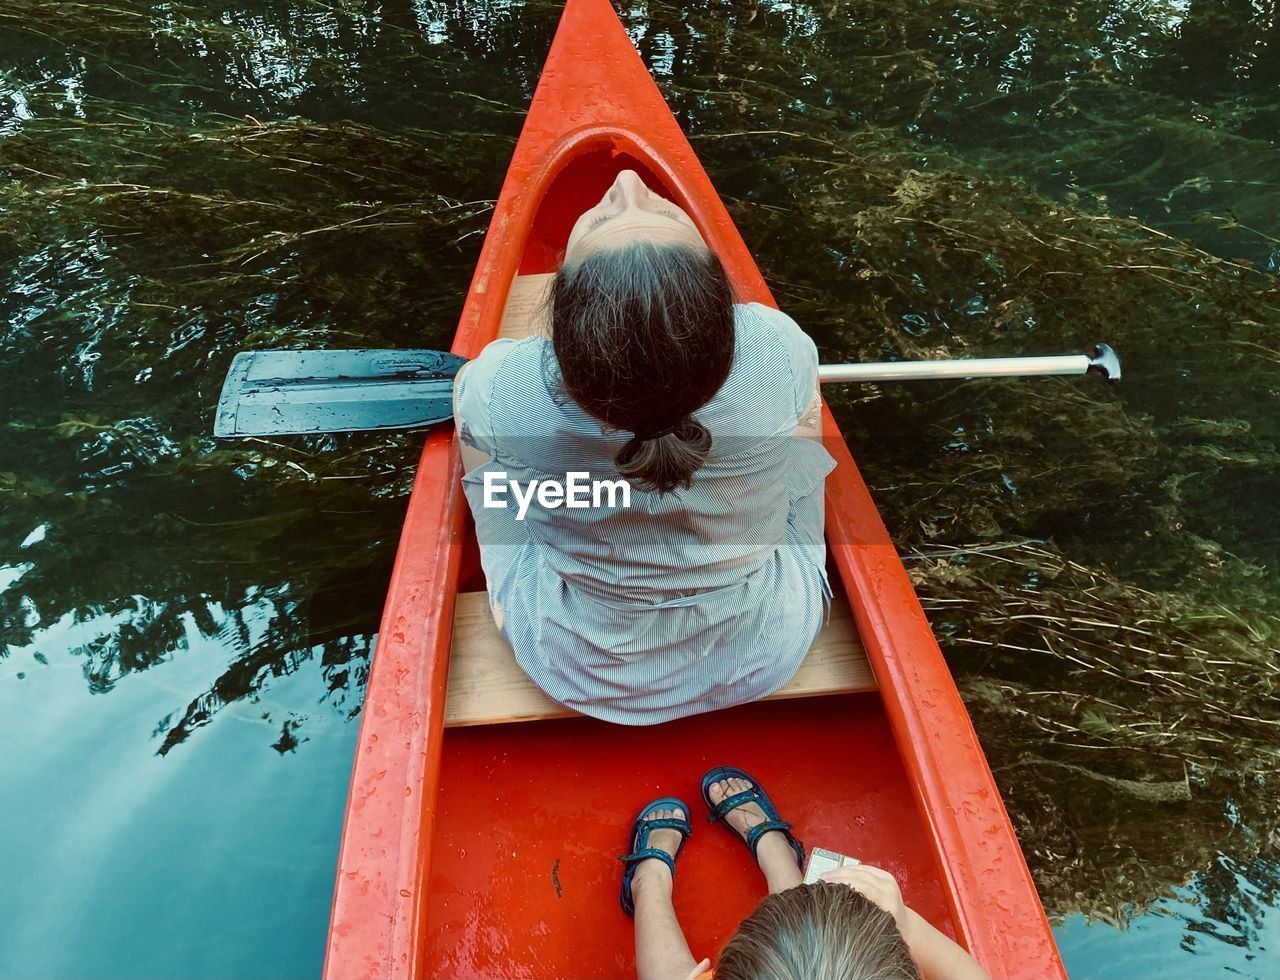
[[706, 588], [850, 925]]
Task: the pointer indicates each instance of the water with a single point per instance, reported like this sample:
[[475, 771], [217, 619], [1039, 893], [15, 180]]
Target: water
[[1225, 925], [186, 626]]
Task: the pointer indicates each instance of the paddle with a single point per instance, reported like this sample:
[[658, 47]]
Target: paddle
[[292, 392]]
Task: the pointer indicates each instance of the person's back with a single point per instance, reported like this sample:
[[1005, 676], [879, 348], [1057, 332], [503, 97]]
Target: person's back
[[712, 533], [707, 589]]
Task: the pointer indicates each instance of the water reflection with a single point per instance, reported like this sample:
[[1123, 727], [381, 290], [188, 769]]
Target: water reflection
[[213, 862], [1225, 918], [185, 621]]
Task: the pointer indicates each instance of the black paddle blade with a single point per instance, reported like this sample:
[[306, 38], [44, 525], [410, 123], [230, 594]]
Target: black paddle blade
[[292, 392]]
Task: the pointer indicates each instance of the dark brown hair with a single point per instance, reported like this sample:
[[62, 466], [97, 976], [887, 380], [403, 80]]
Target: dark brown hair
[[643, 334], [823, 931]]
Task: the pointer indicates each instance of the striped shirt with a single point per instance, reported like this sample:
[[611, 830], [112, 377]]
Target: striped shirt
[[698, 599]]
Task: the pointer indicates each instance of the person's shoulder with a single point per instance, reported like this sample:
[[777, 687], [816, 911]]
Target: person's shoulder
[[503, 361], [769, 339], [772, 321], [497, 351], [483, 387], [768, 327]]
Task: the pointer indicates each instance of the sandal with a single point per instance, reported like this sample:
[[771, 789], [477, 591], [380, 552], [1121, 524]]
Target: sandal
[[755, 794], [640, 849]]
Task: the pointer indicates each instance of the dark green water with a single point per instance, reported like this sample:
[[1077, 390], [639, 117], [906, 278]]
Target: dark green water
[[185, 626]]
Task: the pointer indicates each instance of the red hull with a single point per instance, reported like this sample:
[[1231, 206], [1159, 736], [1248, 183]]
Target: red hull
[[491, 852]]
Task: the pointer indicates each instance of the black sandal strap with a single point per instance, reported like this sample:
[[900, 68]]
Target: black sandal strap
[[650, 852], [759, 830], [721, 809], [669, 823]]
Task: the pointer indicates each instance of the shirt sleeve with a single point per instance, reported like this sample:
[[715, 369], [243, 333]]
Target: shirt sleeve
[[802, 353], [473, 395]]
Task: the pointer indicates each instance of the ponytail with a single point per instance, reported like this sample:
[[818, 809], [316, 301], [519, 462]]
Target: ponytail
[[667, 459]]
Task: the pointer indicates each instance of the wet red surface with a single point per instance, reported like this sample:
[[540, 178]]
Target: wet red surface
[[531, 819]]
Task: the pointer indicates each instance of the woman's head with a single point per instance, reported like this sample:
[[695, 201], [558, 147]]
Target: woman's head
[[642, 326], [630, 212], [817, 932]]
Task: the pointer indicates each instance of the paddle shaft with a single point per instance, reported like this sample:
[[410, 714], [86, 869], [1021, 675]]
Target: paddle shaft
[[975, 367], [272, 393]]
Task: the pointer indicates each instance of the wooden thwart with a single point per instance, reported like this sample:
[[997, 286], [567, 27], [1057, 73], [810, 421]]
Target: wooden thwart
[[487, 686], [524, 299]]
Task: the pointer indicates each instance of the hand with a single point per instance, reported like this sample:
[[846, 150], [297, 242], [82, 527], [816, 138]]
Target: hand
[[936, 955], [877, 886], [700, 969]]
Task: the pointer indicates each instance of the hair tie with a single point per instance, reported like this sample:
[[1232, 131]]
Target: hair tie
[[658, 434]]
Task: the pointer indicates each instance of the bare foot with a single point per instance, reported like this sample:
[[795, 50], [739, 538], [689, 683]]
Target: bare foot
[[773, 852], [652, 873]]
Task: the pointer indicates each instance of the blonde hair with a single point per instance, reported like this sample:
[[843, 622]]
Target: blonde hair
[[817, 932]]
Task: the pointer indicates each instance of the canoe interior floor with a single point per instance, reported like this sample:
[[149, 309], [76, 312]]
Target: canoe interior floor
[[531, 819]]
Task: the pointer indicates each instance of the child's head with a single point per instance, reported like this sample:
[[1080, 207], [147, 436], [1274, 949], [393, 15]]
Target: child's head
[[644, 336], [817, 932]]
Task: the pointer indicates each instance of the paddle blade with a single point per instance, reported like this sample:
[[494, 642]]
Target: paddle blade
[[292, 392]]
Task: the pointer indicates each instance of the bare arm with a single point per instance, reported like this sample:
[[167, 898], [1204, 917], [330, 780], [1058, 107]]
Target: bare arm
[[937, 956]]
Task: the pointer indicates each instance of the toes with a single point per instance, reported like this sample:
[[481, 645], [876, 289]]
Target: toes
[[665, 838], [664, 813], [727, 787]]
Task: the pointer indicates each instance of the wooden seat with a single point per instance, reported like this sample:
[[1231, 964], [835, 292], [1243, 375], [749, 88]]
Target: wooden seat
[[487, 686], [522, 315]]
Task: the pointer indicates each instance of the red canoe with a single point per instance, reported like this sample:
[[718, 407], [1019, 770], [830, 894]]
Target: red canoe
[[489, 850]]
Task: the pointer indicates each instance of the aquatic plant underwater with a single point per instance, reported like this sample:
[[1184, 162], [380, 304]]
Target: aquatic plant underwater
[[916, 179]]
